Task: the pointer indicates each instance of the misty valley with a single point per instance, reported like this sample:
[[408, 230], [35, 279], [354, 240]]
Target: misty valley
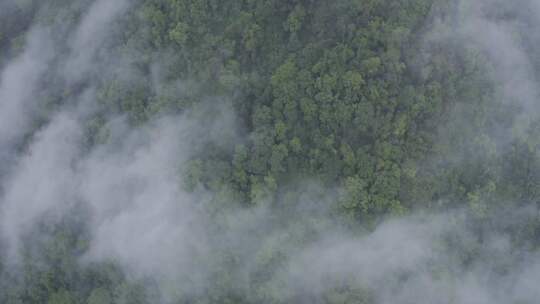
[[269, 151]]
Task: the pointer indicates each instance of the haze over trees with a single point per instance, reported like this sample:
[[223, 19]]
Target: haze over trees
[[243, 151]]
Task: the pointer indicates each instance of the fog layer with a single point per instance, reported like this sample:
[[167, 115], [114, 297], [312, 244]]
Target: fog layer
[[67, 156]]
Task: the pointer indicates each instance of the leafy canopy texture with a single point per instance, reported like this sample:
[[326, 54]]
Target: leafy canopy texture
[[277, 151]]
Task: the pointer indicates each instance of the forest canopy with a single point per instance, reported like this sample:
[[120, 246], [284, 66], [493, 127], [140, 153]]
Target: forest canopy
[[276, 151]]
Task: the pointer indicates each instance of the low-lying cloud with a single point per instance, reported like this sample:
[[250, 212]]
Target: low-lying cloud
[[141, 216]]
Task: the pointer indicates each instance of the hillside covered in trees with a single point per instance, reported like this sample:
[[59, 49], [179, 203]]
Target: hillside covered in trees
[[276, 151]]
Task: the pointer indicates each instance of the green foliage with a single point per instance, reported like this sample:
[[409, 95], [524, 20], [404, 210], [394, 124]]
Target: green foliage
[[331, 91], [99, 296], [61, 297]]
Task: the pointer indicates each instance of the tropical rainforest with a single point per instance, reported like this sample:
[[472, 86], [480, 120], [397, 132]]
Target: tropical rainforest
[[269, 151]]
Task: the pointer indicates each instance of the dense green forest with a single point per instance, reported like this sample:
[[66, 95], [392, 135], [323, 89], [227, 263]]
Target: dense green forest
[[276, 151]]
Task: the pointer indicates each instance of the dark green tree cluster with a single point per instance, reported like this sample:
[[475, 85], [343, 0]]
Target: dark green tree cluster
[[347, 93], [323, 90]]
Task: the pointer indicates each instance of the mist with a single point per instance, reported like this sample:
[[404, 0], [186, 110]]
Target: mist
[[103, 163]]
